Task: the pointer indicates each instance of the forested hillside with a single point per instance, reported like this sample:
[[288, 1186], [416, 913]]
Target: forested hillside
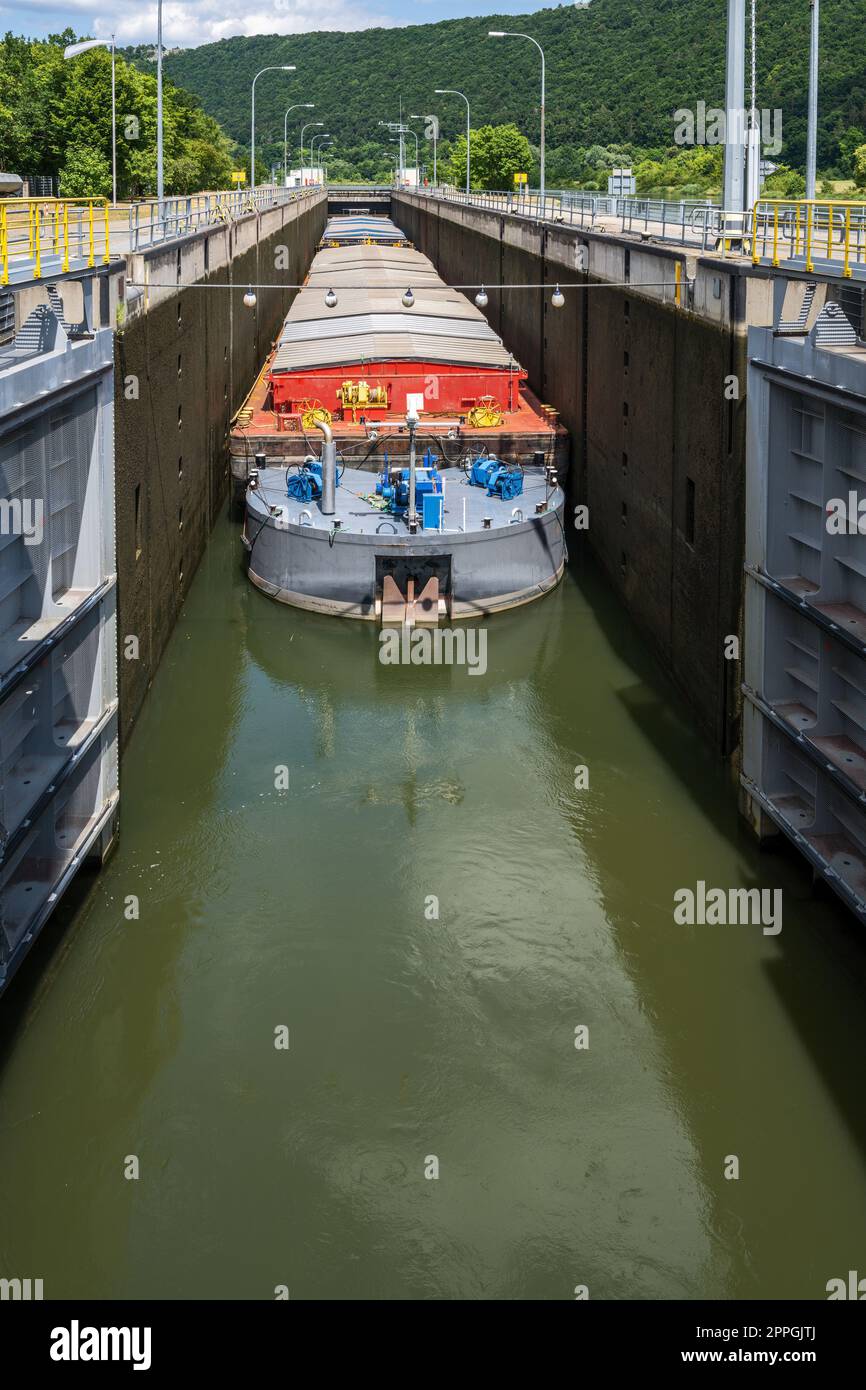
[[617, 71]]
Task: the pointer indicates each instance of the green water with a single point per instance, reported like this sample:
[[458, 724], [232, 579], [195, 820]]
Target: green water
[[412, 1036]]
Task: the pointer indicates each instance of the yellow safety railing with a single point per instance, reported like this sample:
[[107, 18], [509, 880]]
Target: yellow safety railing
[[829, 230], [48, 234]]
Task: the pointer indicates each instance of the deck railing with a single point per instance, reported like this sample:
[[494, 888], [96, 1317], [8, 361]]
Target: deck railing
[[687, 221], [40, 236], [51, 233], [827, 233], [152, 221]]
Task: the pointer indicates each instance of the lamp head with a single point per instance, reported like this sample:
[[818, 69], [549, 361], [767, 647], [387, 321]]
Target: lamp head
[[73, 49]]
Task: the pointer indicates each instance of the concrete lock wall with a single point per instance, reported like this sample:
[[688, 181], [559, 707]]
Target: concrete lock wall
[[185, 359], [650, 380]]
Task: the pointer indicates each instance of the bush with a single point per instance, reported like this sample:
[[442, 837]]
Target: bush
[[86, 174], [784, 183]]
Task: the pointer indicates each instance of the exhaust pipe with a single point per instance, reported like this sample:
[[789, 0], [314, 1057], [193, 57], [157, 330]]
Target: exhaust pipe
[[329, 469]]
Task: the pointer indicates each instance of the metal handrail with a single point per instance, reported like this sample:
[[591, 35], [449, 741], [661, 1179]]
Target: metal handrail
[[152, 221], [360, 188], [809, 230], [702, 224], [34, 231]]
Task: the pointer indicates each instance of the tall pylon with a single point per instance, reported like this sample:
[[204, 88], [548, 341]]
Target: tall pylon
[[733, 185]]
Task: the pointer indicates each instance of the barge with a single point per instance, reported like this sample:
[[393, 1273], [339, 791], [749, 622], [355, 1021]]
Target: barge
[[352, 350], [395, 466]]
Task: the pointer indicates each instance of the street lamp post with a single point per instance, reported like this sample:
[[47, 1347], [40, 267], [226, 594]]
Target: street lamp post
[[326, 140], [431, 133], [450, 92], [753, 132], [812, 124], [409, 131], [732, 177], [160, 183], [398, 130], [71, 51], [325, 135], [304, 127], [299, 106], [508, 34], [283, 67]]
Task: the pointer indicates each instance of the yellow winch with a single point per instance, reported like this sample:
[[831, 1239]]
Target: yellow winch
[[360, 395], [313, 413], [485, 415]]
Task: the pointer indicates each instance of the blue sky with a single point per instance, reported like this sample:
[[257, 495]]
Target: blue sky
[[193, 22]]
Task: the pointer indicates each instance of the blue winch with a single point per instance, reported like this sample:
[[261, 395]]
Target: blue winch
[[500, 479], [306, 484], [393, 486]]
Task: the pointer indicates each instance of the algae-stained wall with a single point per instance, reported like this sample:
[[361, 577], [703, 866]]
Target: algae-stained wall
[[185, 360], [643, 384]]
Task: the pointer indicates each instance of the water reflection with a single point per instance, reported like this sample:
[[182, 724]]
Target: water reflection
[[414, 1032]]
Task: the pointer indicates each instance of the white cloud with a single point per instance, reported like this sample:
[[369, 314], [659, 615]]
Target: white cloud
[[192, 22]]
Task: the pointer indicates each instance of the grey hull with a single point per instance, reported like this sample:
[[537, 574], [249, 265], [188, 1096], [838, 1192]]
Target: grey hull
[[300, 561]]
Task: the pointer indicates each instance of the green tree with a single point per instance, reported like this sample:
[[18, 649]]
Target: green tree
[[784, 183], [496, 154], [692, 172], [55, 119], [859, 166], [86, 174], [849, 144]]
